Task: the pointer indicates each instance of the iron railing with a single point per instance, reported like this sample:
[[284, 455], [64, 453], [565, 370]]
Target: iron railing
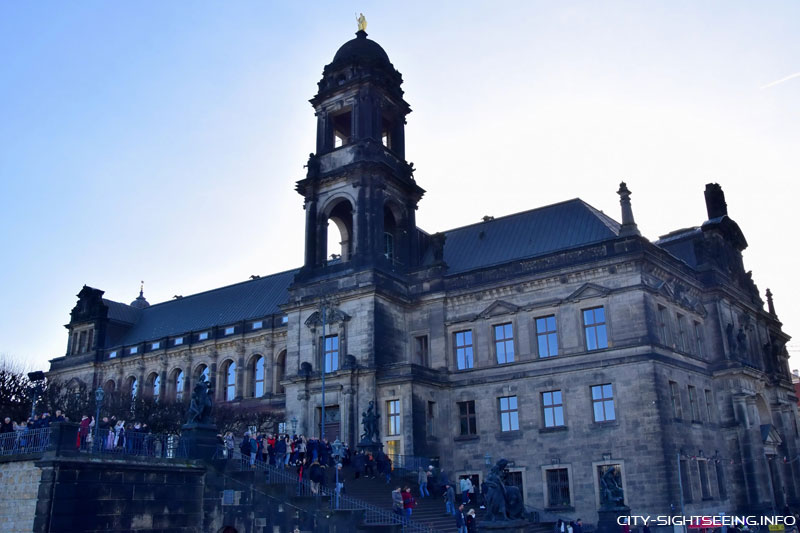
[[25, 441], [132, 443], [277, 475]]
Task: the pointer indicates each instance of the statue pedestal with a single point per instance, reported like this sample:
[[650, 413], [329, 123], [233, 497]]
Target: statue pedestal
[[368, 446], [505, 526], [199, 441], [607, 519]]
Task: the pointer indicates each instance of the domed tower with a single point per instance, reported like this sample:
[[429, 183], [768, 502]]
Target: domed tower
[[359, 178]]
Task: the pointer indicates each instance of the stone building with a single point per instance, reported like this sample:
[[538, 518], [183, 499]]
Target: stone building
[[558, 337]]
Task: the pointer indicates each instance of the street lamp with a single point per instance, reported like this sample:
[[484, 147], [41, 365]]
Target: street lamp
[[294, 425], [336, 448], [36, 378], [99, 395]]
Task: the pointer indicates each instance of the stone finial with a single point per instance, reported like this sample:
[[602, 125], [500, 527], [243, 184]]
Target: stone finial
[[770, 305], [715, 201], [628, 224]]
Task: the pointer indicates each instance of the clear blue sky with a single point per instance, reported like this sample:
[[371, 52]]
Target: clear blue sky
[[161, 140]]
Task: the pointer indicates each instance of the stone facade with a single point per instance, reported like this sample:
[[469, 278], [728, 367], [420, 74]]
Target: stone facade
[[20, 482], [557, 338]]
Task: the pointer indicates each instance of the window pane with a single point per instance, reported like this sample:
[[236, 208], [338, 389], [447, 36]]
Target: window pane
[[587, 317], [596, 392], [559, 414], [547, 398], [599, 315], [509, 351], [610, 415], [591, 341], [541, 325], [607, 393], [504, 404], [551, 323], [552, 339], [557, 397], [468, 337], [512, 401], [602, 340], [548, 417], [598, 412], [543, 351], [514, 421]]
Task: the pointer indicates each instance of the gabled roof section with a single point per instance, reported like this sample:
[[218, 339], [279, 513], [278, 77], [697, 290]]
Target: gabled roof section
[[227, 305], [541, 231]]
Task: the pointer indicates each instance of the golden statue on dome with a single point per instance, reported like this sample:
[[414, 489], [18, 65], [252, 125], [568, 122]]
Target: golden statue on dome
[[362, 22]]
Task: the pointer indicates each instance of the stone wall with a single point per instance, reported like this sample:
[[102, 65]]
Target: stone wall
[[20, 483]]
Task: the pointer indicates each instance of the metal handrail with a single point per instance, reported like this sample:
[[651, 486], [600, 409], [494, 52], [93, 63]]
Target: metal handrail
[[132, 443], [25, 441]]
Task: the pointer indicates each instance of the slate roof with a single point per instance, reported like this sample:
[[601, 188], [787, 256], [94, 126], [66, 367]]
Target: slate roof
[[227, 305], [537, 232], [528, 234]]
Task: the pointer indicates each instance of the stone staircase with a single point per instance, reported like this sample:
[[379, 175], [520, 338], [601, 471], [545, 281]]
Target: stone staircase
[[429, 511]]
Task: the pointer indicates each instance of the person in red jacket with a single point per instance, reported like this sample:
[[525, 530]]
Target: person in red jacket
[[408, 501]]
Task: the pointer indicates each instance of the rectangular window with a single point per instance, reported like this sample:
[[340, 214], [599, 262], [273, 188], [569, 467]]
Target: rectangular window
[[90, 343], [331, 353], [284, 319], [504, 343], [464, 353], [178, 341], [558, 488], [683, 341], [112, 355], [430, 418], [693, 406], [603, 403], [466, 415], [698, 338], [686, 480], [155, 346], [721, 488], [421, 350], [257, 325], [229, 330], [594, 325], [675, 394], [705, 490], [509, 415], [553, 409], [75, 342], [202, 336], [133, 350], [663, 325], [546, 336], [709, 405], [393, 410], [82, 347]]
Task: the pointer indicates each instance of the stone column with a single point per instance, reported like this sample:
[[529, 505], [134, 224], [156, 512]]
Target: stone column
[[305, 423], [241, 385], [347, 416], [269, 374]]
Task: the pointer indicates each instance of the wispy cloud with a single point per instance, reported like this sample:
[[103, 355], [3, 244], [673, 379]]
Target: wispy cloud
[[776, 82]]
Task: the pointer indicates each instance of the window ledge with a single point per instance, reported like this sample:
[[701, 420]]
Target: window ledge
[[567, 508], [554, 429], [509, 435], [458, 438], [606, 424]]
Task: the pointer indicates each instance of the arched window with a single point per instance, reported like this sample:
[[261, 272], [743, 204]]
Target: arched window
[[280, 371], [179, 384], [109, 387], [230, 382], [201, 371], [258, 377], [133, 387], [157, 388], [339, 235]]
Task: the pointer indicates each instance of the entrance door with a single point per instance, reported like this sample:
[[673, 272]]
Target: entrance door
[[332, 424]]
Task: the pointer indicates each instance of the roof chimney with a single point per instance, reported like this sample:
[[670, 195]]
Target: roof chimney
[[715, 201], [628, 224]]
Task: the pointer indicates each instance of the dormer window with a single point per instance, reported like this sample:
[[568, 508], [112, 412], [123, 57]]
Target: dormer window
[[112, 355], [229, 330], [202, 336], [133, 350], [284, 319], [155, 346], [257, 325], [178, 341], [342, 128]]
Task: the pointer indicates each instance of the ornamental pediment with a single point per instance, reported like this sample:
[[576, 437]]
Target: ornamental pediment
[[588, 290], [498, 308], [333, 315]]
